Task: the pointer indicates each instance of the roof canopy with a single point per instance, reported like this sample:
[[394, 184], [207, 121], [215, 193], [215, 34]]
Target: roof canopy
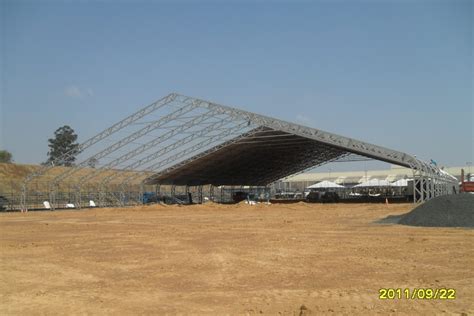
[[400, 183], [373, 183], [325, 184], [254, 149], [260, 157]]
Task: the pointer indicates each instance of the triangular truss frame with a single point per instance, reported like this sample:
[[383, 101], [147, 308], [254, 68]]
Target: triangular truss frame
[[213, 127]]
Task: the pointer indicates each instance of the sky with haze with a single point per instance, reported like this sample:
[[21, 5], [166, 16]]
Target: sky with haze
[[394, 73]]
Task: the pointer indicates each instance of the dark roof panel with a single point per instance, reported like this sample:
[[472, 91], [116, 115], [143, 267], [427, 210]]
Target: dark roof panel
[[259, 158]]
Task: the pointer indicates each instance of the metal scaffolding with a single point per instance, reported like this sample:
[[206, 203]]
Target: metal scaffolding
[[184, 141]]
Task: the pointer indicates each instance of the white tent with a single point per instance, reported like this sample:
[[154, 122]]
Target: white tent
[[400, 183], [325, 185], [364, 179], [373, 183]]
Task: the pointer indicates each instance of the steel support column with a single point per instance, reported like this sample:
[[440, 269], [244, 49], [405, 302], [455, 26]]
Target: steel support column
[[200, 194]]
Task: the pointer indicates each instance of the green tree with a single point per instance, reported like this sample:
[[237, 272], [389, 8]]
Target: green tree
[[5, 156], [63, 147]]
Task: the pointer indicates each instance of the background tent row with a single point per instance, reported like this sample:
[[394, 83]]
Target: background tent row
[[368, 184]]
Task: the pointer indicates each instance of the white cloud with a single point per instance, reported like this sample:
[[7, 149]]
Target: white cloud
[[74, 91], [303, 119]]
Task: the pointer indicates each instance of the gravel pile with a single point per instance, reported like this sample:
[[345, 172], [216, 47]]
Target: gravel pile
[[443, 211]]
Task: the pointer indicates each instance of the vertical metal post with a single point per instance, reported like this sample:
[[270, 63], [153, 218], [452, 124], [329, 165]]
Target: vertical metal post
[[417, 186], [158, 191], [186, 192], [52, 198], [432, 188], [78, 198], [123, 196], [422, 188], [24, 189], [200, 194], [173, 191], [102, 195], [142, 189]]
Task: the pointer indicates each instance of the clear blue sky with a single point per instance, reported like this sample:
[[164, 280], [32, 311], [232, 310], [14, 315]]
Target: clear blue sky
[[394, 73]]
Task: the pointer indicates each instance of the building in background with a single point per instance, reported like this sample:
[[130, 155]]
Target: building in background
[[350, 178]]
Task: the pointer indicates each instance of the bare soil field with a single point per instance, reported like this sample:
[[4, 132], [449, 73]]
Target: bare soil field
[[294, 259]]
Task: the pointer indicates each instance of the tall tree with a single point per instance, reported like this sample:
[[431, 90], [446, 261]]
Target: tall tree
[[64, 141], [5, 156]]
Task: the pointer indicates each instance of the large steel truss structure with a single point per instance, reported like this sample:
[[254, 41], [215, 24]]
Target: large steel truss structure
[[185, 141]]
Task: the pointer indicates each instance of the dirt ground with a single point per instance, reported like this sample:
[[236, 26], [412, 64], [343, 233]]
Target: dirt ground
[[240, 259]]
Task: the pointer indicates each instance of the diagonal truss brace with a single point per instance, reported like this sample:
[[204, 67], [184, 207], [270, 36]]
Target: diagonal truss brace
[[196, 147], [107, 132], [178, 144], [143, 131], [345, 143], [129, 155]]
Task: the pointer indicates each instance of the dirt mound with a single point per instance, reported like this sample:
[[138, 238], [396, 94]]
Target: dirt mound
[[443, 211]]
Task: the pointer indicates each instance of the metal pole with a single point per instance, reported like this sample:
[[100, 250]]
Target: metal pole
[[211, 192], [200, 194]]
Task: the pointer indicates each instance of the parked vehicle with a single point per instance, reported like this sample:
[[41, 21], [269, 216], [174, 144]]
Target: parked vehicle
[[468, 184], [150, 197]]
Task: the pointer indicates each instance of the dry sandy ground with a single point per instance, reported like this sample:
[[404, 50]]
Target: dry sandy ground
[[241, 259]]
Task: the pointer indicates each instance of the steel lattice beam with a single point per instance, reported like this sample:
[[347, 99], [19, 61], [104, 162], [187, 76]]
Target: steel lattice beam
[[95, 139], [345, 143], [212, 139], [127, 140], [107, 132], [156, 141], [168, 148]]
